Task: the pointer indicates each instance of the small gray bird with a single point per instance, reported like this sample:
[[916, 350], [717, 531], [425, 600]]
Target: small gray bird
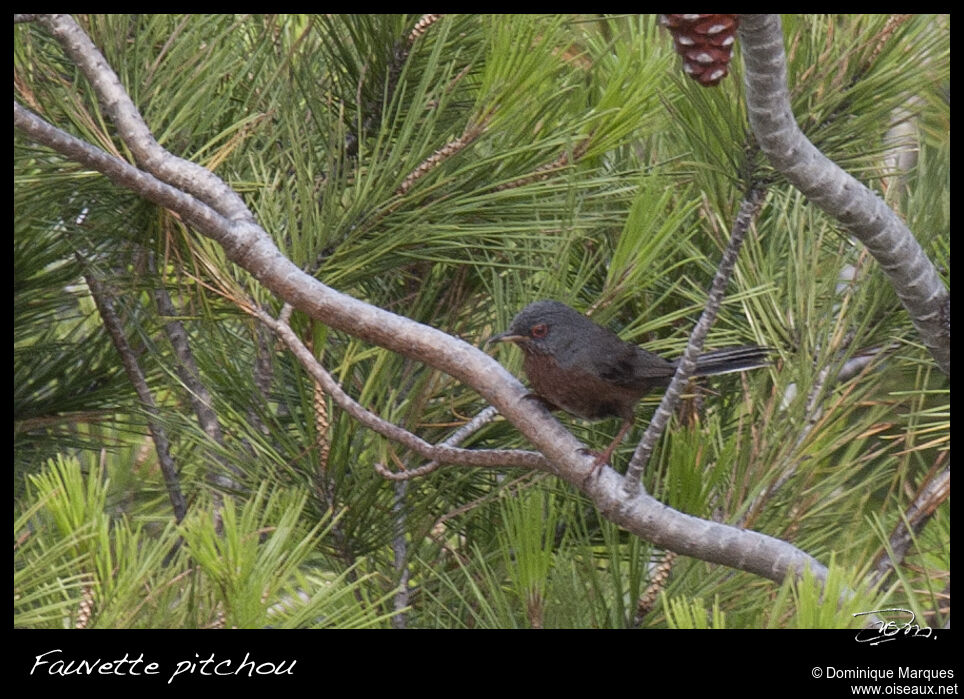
[[581, 367]]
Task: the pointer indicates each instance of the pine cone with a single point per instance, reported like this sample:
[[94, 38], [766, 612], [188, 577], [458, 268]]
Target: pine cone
[[705, 42]]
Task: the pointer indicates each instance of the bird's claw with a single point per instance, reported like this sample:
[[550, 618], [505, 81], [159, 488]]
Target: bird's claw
[[601, 460]]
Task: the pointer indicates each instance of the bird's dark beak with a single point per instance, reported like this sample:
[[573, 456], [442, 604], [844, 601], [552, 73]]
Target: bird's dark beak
[[504, 337]]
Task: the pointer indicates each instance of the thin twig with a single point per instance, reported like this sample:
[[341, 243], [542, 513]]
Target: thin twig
[[105, 306], [471, 132], [400, 556], [929, 497], [687, 363], [198, 393], [814, 408], [483, 418], [544, 172], [487, 458]]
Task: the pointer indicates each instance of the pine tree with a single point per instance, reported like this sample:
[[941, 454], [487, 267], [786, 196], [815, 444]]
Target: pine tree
[[451, 169]]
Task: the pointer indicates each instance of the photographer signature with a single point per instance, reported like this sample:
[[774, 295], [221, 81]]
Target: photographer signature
[[887, 630]]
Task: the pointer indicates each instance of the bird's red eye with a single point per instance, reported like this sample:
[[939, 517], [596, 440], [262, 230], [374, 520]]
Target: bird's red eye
[[540, 330]]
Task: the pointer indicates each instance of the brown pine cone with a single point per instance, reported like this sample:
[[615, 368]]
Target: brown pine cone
[[705, 42]]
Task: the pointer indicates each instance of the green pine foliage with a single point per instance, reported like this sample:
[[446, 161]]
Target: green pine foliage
[[453, 178]]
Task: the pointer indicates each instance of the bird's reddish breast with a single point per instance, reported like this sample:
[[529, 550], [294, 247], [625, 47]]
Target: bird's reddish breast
[[576, 391]]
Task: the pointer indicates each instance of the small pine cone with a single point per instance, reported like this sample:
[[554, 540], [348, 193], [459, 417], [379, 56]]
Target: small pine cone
[[705, 42]]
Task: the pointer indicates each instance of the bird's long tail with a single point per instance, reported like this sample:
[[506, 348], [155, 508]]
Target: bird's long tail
[[729, 359]]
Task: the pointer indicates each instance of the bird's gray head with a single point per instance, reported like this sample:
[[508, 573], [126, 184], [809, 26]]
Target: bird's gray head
[[547, 327]]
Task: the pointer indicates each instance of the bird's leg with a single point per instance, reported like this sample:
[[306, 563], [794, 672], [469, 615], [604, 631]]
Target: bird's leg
[[603, 457]]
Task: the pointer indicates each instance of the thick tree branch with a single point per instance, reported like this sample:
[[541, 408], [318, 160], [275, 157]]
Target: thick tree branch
[[252, 248], [913, 276], [118, 171], [245, 243], [183, 174]]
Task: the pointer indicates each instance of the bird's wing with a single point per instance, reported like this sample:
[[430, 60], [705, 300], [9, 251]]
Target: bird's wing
[[634, 367]]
